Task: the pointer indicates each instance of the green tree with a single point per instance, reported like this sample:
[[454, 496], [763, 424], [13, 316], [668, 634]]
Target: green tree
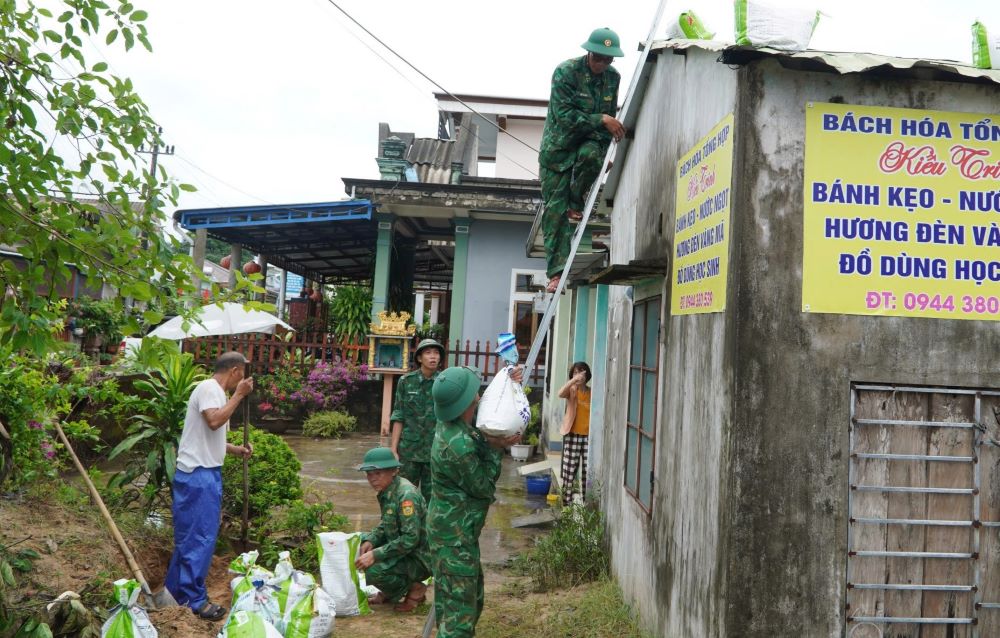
[[70, 173]]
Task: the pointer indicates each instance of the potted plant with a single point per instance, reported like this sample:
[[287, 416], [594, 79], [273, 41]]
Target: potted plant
[[101, 321], [525, 450]]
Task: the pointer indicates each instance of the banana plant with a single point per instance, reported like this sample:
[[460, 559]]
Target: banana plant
[[152, 437]]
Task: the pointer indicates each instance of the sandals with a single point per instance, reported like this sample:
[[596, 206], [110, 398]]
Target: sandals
[[409, 604], [210, 611], [574, 215]]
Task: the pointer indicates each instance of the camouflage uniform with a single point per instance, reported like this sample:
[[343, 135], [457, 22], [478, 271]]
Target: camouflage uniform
[[402, 556], [414, 408], [464, 469], [573, 147]]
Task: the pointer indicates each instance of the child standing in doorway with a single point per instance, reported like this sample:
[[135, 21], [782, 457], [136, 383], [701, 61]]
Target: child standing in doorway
[[575, 430]]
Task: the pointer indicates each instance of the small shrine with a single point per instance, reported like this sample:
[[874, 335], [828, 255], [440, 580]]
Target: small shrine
[[389, 343]]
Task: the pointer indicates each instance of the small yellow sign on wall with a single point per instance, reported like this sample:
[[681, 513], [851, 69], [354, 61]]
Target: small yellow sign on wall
[[701, 224]]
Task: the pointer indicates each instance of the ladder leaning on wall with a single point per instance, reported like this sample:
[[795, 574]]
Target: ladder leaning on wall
[[581, 228]]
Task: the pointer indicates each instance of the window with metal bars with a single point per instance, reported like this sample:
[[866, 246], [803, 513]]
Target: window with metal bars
[[643, 387]]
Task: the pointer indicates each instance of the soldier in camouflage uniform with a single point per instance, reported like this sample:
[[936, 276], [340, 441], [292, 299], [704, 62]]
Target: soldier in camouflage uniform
[[465, 466], [395, 555], [578, 129], [413, 417]]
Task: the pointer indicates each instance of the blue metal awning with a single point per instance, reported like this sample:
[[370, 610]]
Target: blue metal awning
[[329, 242]]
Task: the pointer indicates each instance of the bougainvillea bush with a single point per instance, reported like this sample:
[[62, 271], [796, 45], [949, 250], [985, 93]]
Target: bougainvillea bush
[[328, 385]]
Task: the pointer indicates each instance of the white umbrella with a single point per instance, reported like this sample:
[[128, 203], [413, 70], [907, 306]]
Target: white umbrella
[[230, 319]]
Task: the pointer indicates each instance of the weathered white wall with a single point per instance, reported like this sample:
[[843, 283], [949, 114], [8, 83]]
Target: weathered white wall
[[515, 160], [747, 536], [670, 563]]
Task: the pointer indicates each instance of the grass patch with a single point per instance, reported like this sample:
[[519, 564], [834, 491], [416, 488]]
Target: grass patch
[[572, 553], [595, 610]]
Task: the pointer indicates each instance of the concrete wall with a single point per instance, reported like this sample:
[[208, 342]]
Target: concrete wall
[[514, 159], [747, 534], [793, 370], [495, 249], [670, 562]]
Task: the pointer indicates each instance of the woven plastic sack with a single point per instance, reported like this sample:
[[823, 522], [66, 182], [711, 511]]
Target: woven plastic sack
[[262, 599], [337, 552], [310, 610], [282, 579], [763, 24], [127, 619], [247, 572], [985, 47], [504, 408], [688, 26], [248, 624]]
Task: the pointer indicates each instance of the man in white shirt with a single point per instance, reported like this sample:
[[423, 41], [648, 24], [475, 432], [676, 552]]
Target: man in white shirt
[[197, 486]]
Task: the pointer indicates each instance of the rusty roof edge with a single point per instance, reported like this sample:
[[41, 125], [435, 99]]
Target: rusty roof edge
[[839, 62]]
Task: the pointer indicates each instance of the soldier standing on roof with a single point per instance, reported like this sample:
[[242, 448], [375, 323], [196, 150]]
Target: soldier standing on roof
[[578, 129], [413, 417]]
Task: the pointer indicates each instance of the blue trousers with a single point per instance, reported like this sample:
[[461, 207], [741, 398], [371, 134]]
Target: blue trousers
[[196, 509]]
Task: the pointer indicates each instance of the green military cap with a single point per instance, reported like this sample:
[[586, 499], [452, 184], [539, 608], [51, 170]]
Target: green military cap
[[379, 458], [604, 42], [428, 343], [453, 392]]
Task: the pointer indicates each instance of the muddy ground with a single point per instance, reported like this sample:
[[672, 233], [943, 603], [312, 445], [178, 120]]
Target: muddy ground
[[77, 553]]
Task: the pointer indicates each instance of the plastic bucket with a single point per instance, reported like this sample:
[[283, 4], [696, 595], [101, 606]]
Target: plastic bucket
[[538, 485]]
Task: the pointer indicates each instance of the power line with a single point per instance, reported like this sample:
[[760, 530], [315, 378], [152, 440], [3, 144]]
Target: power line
[[428, 78]]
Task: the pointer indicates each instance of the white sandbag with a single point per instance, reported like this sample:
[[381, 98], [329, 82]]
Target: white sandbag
[[763, 24], [504, 409], [282, 579], [985, 46], [127, 619], [261, 599], [310, 611], [248, 624], [337, 552], [247, 573]]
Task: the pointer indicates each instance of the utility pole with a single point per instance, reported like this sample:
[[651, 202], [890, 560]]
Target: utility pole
[[155, 152]]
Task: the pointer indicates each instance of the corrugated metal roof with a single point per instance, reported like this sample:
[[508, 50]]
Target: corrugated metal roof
[[829, 61], [840, 62]]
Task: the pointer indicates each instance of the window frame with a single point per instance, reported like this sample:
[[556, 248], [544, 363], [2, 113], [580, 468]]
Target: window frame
[[644, 369]]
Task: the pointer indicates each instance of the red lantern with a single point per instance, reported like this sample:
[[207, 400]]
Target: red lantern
[[251, 267], [316, 296], [225, 261]]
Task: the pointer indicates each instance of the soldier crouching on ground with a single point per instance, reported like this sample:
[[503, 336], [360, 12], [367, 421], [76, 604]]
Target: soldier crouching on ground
[[465, 466], [394, 555]]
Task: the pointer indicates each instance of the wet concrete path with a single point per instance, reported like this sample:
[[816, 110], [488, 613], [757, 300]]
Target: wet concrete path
[[329, 473]]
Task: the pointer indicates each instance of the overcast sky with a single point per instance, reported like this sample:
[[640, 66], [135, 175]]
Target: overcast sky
[[275, 102]]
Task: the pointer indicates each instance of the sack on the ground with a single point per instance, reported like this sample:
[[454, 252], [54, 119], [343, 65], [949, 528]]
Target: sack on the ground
[[310, 610], [762, 24], [261, 599], [247, 572], [504, 409], [248, 624], [127, 619], [282, 579], [688, 26], [985, 47], [337, 552]]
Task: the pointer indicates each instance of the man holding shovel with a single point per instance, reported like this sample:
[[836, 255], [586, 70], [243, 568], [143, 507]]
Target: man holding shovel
[[197, 486]]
